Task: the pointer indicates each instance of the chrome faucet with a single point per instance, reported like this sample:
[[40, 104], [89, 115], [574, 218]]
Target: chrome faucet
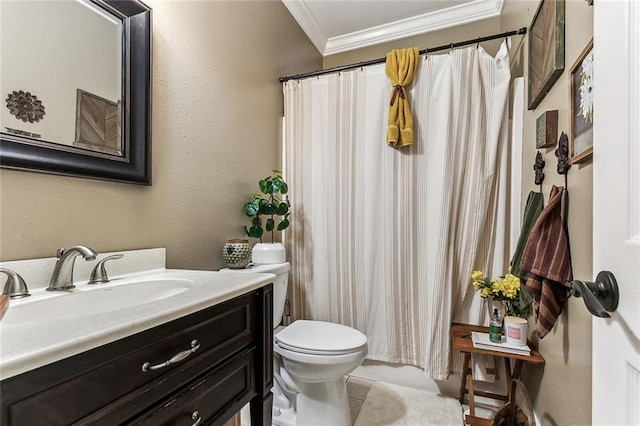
[[99, 273], [15, 287], [62, 277]]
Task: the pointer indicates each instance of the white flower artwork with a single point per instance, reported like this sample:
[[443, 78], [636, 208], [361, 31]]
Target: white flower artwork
[[581, 99], [586, 88]]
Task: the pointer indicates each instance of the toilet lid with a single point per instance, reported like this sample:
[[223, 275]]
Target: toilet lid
[[319, 337]]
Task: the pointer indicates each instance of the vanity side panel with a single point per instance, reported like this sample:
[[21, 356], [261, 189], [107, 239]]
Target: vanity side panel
[[266, 342], [262, 404]]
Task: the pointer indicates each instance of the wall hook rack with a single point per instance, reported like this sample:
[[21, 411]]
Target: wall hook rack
[[601, 296]]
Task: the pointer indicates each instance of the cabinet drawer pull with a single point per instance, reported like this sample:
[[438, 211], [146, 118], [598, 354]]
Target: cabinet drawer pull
[[176, 358], [196, 416]]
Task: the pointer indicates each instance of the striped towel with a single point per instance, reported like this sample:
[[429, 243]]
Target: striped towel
[[547, 258]]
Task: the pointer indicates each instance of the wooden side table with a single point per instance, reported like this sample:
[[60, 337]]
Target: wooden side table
[[461, 336]]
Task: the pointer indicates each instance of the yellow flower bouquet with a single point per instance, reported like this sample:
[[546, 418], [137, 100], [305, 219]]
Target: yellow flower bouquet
[[507, 290]]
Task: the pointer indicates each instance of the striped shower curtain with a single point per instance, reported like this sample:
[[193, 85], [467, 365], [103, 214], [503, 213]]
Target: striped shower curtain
[[384, 239]]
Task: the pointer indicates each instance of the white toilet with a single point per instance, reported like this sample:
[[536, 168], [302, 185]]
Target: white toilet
[[311, 359]]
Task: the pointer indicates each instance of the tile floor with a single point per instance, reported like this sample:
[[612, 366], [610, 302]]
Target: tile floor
[[357, 389]]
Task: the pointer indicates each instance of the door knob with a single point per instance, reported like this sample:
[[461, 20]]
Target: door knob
[[601, 296]]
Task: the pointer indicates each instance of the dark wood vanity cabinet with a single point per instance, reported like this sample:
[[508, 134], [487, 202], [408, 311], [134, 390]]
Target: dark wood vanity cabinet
[[222, 359]]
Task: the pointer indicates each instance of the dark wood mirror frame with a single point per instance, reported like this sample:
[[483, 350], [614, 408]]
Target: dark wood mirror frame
[[24, 153]]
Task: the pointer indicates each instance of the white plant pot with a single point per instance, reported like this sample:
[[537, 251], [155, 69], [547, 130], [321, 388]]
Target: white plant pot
[[268, 253]]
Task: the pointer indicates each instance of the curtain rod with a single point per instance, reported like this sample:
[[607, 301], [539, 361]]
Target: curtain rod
[[521, 31]]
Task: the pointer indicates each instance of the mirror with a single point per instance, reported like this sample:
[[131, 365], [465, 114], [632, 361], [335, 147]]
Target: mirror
[[76, 85]]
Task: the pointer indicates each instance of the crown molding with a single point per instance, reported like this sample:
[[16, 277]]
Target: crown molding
[[307, 22], [457, 15]]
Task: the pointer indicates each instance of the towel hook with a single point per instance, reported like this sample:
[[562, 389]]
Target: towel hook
[[538, 167], [562, 154], [601, 296]]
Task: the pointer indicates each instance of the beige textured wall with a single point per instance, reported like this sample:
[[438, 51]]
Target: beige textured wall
[[562, 389], [217, 105]]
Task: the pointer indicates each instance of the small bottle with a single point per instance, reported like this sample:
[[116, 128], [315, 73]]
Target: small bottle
[[495, 327]]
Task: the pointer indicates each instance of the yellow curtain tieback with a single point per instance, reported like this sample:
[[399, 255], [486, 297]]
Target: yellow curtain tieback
[[397, 92]]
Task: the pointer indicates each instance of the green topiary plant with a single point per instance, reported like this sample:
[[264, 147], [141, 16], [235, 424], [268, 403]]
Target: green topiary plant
[[268, 204]]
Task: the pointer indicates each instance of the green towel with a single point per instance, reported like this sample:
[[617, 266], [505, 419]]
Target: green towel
[[533, 208]]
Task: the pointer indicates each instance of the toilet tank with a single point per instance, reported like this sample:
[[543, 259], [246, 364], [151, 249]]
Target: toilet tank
[[281, 270]]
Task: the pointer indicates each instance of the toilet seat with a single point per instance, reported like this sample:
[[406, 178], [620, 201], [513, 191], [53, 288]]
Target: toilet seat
[[314, 352], [320, 338]]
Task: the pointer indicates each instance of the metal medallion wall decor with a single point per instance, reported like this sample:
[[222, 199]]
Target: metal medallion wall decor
[[25, 106]]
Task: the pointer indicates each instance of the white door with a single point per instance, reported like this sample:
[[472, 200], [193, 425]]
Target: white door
[[616, 209]]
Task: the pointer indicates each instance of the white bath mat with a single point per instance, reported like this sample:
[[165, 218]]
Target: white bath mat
[[388, 404]]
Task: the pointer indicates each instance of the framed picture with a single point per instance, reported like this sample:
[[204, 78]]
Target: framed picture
[[547, 129], [97, 124], [581, 109], [546, 49]]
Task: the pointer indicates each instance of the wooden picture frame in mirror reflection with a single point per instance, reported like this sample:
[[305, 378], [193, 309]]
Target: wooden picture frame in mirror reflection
[[98, 124], [581, 85], [546, 49]]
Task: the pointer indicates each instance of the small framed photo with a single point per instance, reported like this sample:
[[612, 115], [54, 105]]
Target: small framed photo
[[581, 109], [547, 129]]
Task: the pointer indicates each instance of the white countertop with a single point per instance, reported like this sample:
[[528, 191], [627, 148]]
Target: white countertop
[[26, 345]]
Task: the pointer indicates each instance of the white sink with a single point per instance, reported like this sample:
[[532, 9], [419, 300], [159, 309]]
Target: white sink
[[51, 325], [101, 298]]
